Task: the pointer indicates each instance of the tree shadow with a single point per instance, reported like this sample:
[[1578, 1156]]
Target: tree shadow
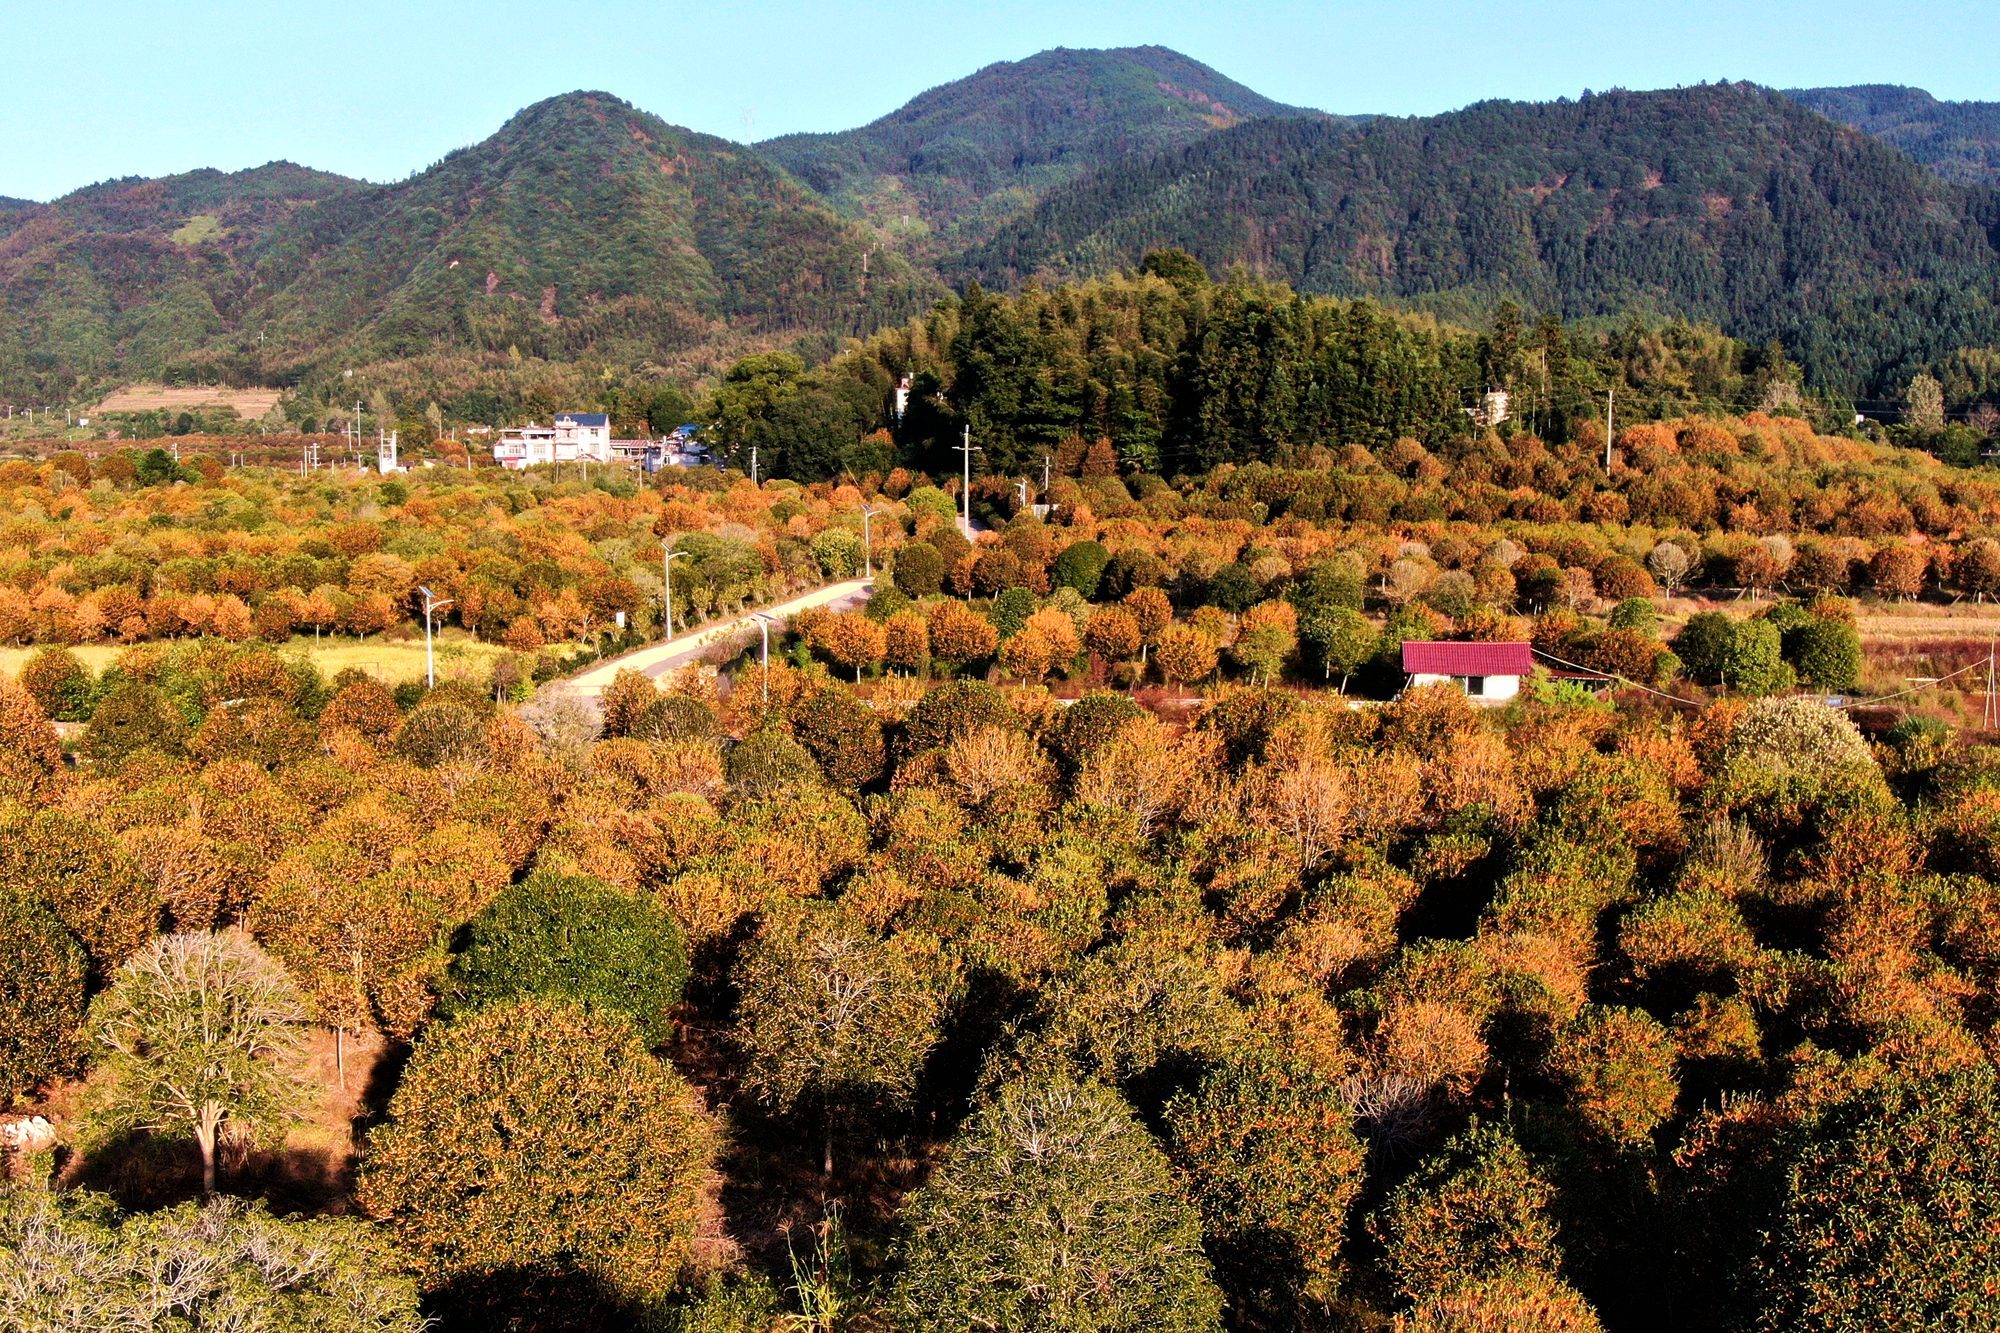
[[529, 1300], [142, 1172]]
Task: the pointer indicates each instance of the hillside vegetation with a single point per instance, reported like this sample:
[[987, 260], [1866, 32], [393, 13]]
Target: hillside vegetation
[[1958, 140], [1724, 203], [964, 157]]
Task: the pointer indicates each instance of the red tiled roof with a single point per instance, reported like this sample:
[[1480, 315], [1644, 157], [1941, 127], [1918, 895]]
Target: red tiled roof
[[1468, 659]]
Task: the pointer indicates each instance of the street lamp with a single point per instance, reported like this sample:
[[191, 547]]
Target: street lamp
[[867, 546], [667, 557], [764, 625], [431, 607]]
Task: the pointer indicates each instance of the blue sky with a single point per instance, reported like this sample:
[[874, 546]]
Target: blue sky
[[379, 89]]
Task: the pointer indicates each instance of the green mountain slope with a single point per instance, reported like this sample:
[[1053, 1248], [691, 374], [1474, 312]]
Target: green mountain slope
[[966, 155], [1958, 140], [1722, 203], [138, 272], [582, 227]]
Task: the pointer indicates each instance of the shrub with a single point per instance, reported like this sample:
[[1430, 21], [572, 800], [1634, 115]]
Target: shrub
[[440, 731], [954, 709], [1619, 1066], [1080, 566], [1799, 735], [571, 938], [1054, 1210], [42, 974], [59, 684], [1474, 1206], [537, 1135], [767, 762], [844, 736], [1273, 1166], [1825, 653], [131, 718], [674, 717], [1887, 1215], [71, 1261], [919, 570]]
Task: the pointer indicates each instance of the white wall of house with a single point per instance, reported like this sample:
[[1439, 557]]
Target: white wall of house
[[1480, 689]]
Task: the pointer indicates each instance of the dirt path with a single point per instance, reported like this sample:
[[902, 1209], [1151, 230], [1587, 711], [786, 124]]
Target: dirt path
[[688, 647]]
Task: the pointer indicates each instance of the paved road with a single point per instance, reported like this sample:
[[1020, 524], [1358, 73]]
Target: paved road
[[689, 645]]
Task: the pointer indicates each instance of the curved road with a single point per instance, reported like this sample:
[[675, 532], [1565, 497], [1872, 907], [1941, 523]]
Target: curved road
[[661, 658]]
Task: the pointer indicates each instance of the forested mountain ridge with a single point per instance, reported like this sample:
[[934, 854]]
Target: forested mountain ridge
[[1958, 140], [1722, 203], [139, 271], [965, 156], [582, 227]]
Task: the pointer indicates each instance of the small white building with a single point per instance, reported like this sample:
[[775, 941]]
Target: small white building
[[1487, 672]]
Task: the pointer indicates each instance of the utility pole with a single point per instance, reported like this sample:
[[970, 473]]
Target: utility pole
[[965, 486], [667, 557], [1610, 398], [1045, 474], [1993, 703], [431, 605], [867, 544], [753, 465]]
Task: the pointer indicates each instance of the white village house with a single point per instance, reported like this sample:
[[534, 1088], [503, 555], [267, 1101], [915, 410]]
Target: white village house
[[1487, 672], [575, 437]]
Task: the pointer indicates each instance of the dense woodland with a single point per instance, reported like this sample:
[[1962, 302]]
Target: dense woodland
[[1060, 890]]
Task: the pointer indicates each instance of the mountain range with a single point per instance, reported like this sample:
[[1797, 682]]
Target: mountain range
[[1858, 226]]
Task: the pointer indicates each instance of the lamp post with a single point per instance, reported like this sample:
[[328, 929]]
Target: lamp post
[[867, 546], [764, 625], [667, 557], [432, 605]]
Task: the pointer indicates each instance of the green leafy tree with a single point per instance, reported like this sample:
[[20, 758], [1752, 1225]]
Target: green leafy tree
[[1054, 1209], [844, 736], [1826, 654], [133, 717], [537, 1136], [59, 683], [919, 570], [1887, 1219], [1274, 1167], [833, 1017], [1703, 645], [1474, 1206], [43, 970], [198, 1032], [1080, 566], [573, 938], [72, 1262], [1754, 660]]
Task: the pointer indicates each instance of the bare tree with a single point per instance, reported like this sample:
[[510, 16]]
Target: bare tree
[[1670, 564], [203, 1030]]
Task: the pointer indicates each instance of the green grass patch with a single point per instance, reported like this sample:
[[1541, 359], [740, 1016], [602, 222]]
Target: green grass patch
[[391, 661], [201, 227]]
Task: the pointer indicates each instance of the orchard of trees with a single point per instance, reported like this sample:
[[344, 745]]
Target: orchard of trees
[[1087, 932], [963, 1005]]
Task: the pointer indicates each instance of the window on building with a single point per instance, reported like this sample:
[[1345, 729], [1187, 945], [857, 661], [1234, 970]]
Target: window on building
[[1475, 686]]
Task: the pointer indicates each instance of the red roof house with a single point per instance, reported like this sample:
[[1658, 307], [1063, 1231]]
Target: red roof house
[[1485, 671]]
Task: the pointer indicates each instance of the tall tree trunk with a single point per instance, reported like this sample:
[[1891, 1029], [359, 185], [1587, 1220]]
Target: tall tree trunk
[[207, 1122]]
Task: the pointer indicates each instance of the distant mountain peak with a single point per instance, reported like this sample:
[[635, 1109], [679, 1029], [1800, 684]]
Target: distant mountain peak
[[1960, 141], [960, 158]]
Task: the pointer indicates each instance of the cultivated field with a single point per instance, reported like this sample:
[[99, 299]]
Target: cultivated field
[[248, 404]]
